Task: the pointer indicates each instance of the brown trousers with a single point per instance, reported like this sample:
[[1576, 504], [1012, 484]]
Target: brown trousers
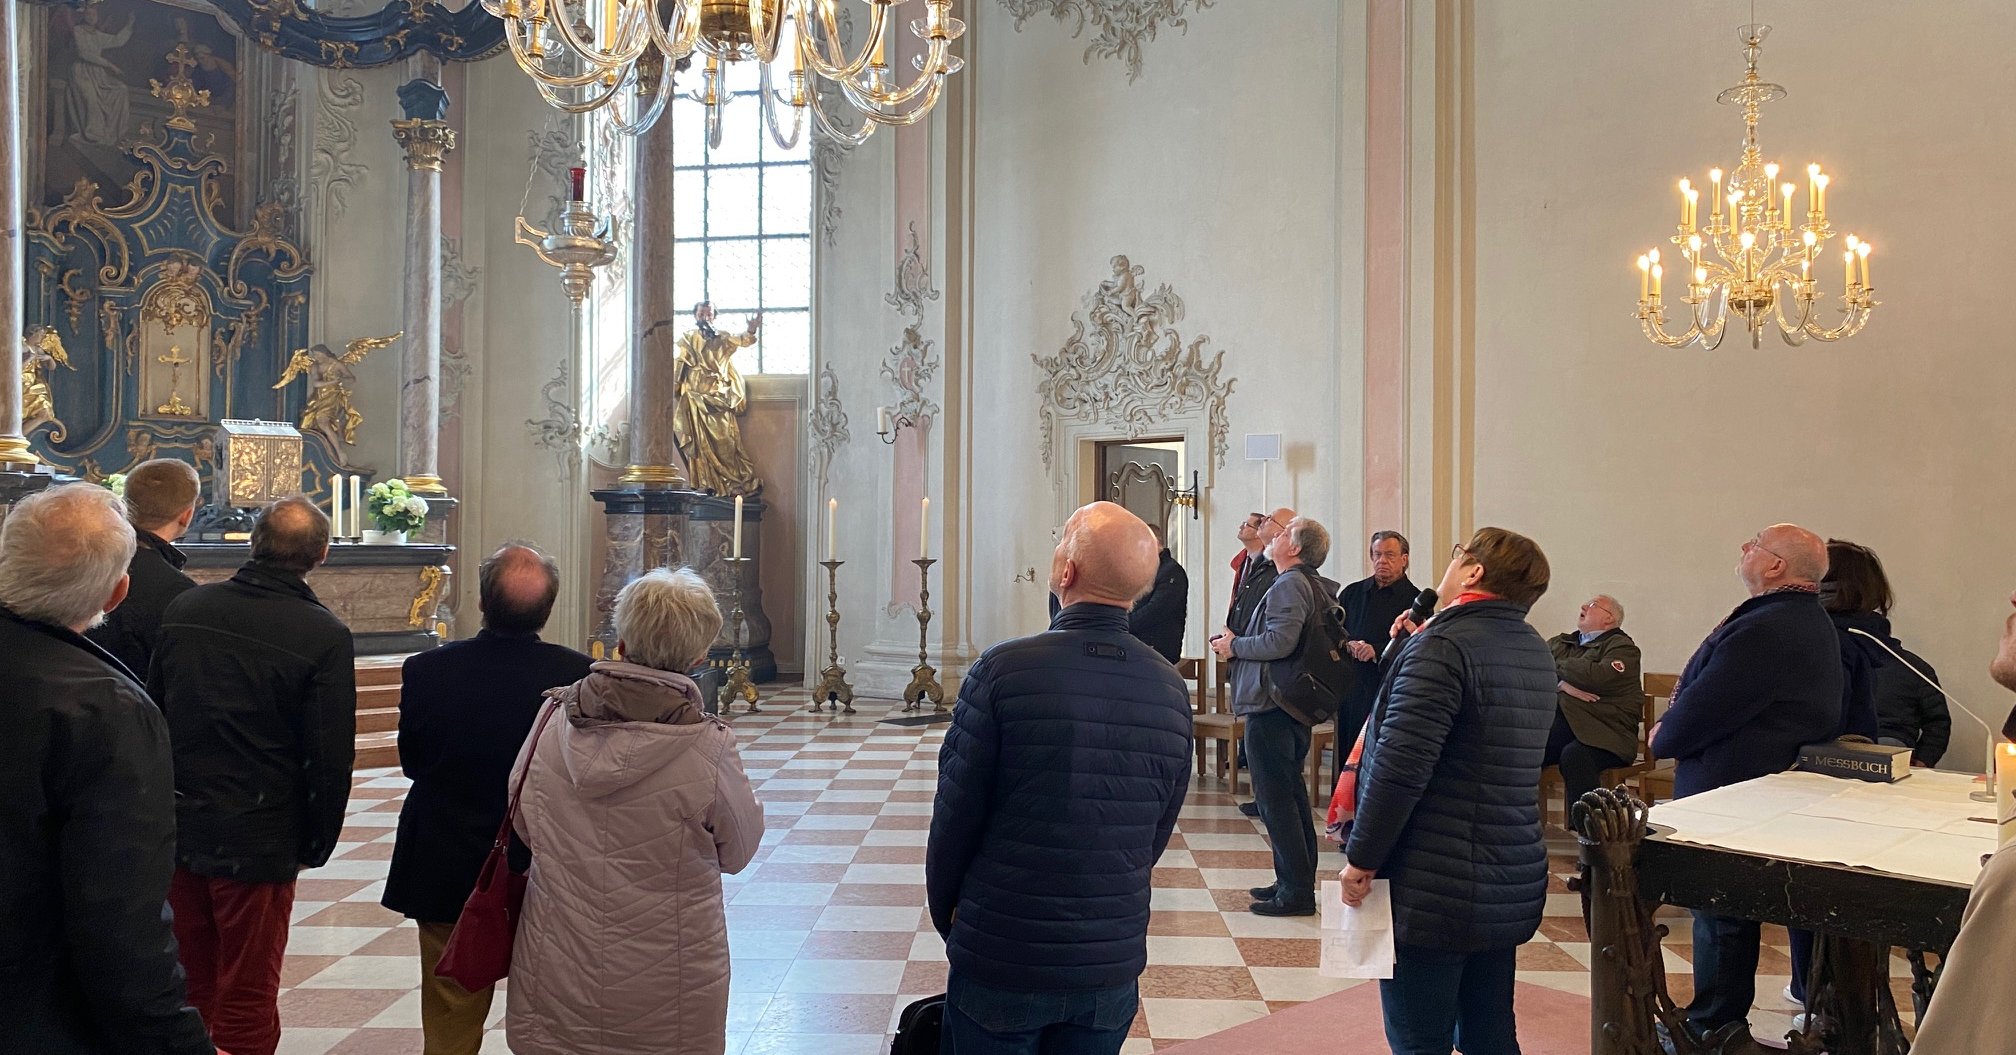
[[451, 1017]]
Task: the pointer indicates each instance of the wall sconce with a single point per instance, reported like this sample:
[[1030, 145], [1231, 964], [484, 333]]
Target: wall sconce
[[888, 423], [1188, 498]]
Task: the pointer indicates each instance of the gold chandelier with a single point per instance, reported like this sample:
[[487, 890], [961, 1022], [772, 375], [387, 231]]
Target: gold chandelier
[[584, 55], [1752, 259]]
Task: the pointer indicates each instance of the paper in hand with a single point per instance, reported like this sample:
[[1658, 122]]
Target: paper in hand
[[1357, 942]]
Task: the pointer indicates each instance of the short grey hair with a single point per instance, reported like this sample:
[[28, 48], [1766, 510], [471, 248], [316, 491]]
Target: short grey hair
[[667, 619], [1312, 538], [63, 552], [1616, 606], [1381, 536]]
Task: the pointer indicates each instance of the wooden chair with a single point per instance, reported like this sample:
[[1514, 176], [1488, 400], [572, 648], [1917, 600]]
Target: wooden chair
[[1656, 783], [1215, 721], [1658, 692], [1322, 738]]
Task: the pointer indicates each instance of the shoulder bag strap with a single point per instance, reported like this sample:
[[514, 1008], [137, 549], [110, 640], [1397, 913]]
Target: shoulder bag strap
[[511, 810]]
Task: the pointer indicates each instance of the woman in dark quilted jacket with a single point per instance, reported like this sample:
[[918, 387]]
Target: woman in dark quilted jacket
[[1449, 805]]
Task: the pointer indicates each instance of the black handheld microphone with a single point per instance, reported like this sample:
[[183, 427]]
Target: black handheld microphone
[[1424, 606]]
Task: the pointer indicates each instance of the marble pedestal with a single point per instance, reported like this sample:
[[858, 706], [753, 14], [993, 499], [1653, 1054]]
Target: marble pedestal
[[710, 528]]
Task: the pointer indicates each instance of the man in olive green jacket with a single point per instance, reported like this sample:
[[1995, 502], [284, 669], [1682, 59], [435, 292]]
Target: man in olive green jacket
[[1601, 698]]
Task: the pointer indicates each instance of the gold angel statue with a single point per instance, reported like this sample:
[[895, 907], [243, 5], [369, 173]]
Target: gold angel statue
[[329, 411], [710, 396], [41, 353]]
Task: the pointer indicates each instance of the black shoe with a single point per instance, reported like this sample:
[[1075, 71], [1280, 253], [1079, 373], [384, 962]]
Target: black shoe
[[1265, 893], [1276, 907], [1250, 809]]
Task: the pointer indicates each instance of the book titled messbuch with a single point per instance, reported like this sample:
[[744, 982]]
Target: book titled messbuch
[[1878, 763]]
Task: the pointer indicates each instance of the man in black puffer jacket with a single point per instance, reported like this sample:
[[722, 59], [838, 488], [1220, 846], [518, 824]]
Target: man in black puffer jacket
[[1449, 805], [1058, 788]]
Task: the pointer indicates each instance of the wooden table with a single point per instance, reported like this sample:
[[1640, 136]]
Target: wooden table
[[1631, 866]]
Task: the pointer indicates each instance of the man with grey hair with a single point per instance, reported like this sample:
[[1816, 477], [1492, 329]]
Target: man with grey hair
[[1041, 889], [1600, 701], [464, 711], [87, 821], [1766, 681], [259, 683], [1370, 606], [160, 502], [1277, 743]]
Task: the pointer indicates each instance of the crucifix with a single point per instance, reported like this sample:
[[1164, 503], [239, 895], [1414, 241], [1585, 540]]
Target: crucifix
[[174, 361]]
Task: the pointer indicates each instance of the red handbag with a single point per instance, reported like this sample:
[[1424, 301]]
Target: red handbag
[[478, 953]]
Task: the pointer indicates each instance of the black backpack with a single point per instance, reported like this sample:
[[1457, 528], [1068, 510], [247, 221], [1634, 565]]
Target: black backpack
[[1311, 682], [918, 1028]]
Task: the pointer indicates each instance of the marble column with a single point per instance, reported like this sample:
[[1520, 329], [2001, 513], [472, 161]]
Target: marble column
[[14, 452], [427, 139], [654, 344]]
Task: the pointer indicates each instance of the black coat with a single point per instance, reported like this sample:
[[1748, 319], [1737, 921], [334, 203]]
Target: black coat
[[465, 709], [1448, 790], [87, 845], [1258, 576], [1369, 612], [1058, 787], [130, 630], [259, 682], [1907, 710], [1766, 682], [1158, 618]]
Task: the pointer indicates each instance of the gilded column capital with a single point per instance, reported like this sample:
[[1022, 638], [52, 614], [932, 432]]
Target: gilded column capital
[[426, 142]]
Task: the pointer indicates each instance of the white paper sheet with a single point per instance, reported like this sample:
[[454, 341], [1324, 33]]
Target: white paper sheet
[[1357, 942]]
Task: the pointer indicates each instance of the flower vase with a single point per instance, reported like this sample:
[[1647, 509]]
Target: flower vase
[[374, 537]]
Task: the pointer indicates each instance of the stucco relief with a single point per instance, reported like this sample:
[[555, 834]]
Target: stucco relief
[[1122, 25], [913, 281], [1127, 366], [559, 432], [334, 169], [829, 425], [911, 365], [283, 122], [458, 283]]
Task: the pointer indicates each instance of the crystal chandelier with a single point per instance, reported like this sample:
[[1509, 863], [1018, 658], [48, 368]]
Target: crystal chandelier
[[584, 55], [1751, 260]]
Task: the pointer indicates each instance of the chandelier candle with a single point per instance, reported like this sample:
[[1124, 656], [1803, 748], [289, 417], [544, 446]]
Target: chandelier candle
[[1757, 265]]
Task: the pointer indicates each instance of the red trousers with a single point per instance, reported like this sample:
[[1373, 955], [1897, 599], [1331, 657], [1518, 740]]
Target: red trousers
[[232, 937]]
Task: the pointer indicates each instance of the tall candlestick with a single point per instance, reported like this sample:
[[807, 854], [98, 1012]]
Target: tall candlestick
[[832, 528], [924, 530], [336, 506], [356, 505], [737, 554]]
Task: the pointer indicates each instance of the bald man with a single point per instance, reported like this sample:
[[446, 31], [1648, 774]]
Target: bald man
[[1766, 681], [1058, 786], [464, 710]]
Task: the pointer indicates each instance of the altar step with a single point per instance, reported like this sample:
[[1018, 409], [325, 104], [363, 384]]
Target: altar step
[[378, 711]]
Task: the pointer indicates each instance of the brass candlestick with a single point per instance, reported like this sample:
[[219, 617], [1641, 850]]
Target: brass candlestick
[[833, 689], [739, 682], [923, 677]]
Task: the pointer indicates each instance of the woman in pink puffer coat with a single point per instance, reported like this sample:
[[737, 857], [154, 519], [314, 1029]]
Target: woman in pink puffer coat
[[634, 806]]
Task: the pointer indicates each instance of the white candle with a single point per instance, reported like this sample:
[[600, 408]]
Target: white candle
[[882, 420], [832, 528], [924, 530], [737, 554], [336, 505], [356, 505], [1644, 280]]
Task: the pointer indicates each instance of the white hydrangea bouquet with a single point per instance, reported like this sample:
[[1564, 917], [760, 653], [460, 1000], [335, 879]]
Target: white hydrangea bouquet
[[394, 508], [116, 483]]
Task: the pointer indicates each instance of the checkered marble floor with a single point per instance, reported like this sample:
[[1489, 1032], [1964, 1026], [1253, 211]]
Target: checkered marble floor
[[827, 926]]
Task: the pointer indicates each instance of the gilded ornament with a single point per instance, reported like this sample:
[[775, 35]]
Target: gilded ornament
[[422, 611], [180, 92], [329, 412], [709, 399], [174, 361], [41, 353], [426, 142]]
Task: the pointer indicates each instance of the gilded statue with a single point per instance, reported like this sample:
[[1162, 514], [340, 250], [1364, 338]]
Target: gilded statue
[[710, 396], [41, 353], [329, 412]]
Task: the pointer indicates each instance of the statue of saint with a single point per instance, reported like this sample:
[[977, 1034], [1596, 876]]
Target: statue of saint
[[329, 411], [97, 97], [41, 353], [710, 397]]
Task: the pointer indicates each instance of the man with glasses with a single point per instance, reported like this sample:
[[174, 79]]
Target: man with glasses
[[1601, 698], [1767, 680], [1250, 585], [1370, 606]]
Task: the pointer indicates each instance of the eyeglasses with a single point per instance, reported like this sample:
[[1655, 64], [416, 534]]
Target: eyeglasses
[[1757, 542], [1458, 552]]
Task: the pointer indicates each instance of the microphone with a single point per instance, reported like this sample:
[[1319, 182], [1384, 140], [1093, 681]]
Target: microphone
[[1424, 606], [1979, 796]]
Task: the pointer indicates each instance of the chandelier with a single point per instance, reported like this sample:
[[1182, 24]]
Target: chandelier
[[1753, 260], [584, 55]]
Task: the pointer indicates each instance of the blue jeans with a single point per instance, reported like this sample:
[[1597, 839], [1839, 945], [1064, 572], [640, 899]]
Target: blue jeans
[[1437, 1001], [1276, 748], [981, 1020], [1725, 971]]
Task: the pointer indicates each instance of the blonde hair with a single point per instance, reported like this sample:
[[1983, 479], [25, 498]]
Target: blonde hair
[[667, 619], [63, 552]]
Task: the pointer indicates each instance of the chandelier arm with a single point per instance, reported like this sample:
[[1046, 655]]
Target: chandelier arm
[[1653, 321], [926, 81], [1857, 317], [852, 137], [675, 37], [771, 101], [587, 51], [650, 114], [596, 101], [514, 36], [878, 110], [715, 128], [842, 72]]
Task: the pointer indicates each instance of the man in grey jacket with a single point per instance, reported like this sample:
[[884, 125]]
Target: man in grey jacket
[[1277, 744]]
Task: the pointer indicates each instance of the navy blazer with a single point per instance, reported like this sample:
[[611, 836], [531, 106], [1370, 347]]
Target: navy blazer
[[464, 711]]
